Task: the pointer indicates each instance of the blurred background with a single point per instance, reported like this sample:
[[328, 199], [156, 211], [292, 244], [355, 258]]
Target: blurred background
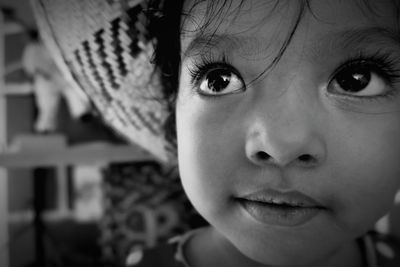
[[72, 192]]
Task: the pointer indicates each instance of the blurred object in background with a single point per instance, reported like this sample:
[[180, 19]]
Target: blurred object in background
[[87, 192], [144, 205], [49, 85]]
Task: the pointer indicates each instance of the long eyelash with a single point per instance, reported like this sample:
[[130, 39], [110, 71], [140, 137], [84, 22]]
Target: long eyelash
[[384, 64], [203, 64]]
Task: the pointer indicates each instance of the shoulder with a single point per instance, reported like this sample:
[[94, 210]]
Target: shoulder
[[383, 249], [164, 255]]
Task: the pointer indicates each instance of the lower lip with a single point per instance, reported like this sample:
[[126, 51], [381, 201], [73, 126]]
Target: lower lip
[[279, 215]]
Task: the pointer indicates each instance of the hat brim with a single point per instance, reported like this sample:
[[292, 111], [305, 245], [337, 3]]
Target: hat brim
[[104, 50]]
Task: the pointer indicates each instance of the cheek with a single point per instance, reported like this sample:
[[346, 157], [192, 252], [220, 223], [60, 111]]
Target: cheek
[[208, 154], [368, 163], [208, 133]]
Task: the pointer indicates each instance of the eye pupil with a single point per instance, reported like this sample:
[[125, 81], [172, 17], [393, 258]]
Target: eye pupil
[[218, 80], [354, 80]]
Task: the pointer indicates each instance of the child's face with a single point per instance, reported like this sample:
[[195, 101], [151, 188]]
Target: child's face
[[322, 124]]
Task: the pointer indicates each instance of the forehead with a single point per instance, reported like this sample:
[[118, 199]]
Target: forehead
[[270, 22]]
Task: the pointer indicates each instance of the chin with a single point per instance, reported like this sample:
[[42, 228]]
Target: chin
[[286, 252]]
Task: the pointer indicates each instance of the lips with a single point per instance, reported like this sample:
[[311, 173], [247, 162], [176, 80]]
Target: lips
[[292, 198], [280, 208]]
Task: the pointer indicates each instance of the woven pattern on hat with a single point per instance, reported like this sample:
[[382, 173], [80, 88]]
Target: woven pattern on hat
[[104, 48]]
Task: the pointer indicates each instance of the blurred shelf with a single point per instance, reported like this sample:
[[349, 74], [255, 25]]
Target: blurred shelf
[[11, 27], [16, 89], [50, 216], [75, 155], [41, 151]]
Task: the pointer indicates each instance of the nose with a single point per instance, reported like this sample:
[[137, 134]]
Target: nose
[[287, 132]]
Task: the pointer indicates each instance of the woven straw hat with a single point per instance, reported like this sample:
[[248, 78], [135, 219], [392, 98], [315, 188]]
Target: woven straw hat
[[103, 48]]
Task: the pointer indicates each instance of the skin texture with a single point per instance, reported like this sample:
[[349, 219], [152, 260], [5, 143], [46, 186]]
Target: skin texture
[[340, 150]]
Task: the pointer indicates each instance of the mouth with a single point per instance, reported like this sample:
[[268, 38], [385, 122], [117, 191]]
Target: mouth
[[281, 209]]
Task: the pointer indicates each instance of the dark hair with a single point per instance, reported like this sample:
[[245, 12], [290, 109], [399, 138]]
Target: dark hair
[[165, 27]]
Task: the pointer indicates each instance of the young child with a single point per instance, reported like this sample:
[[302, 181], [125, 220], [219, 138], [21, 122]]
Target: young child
[[287, 127]]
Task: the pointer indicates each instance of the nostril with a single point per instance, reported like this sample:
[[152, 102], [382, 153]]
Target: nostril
[[306, 158], [261, 155]]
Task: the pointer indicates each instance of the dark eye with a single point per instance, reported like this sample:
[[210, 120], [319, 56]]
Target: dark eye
[[220, 82], [358, 80]]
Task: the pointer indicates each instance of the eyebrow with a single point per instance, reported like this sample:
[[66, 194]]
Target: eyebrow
[[376, 35], [352, 38], [205, 42]]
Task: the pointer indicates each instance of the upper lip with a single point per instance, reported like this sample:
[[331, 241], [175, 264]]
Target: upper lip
[[291, 198]]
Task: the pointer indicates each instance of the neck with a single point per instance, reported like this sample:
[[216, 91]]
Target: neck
[[220, 252]]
